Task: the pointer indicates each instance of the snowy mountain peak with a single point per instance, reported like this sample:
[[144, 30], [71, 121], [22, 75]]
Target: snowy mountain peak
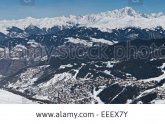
[[128, 11], [156, 15], [105, 21], [29, 18]]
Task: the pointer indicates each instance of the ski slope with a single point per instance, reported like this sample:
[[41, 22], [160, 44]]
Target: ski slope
[[10, 98]]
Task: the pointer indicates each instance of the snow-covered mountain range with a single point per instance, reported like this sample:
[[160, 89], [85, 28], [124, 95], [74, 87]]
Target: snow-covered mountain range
[[105, 21], [49, 60]]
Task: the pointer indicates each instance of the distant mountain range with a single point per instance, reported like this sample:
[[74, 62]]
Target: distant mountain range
[[85, 59], [106, 21]]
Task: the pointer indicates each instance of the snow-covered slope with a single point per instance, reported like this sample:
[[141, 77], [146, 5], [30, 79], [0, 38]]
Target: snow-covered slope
[[125, 17], [10, 98]]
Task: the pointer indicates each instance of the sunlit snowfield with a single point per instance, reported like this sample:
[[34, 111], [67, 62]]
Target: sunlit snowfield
[[10, 98]]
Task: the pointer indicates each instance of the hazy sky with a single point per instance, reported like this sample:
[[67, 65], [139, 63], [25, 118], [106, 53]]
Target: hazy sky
[[16, 9]]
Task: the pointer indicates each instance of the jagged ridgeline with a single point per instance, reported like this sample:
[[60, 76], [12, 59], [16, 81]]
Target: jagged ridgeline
[[115, 57]]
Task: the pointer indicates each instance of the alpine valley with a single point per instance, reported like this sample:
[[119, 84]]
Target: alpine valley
[[93, 59]]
